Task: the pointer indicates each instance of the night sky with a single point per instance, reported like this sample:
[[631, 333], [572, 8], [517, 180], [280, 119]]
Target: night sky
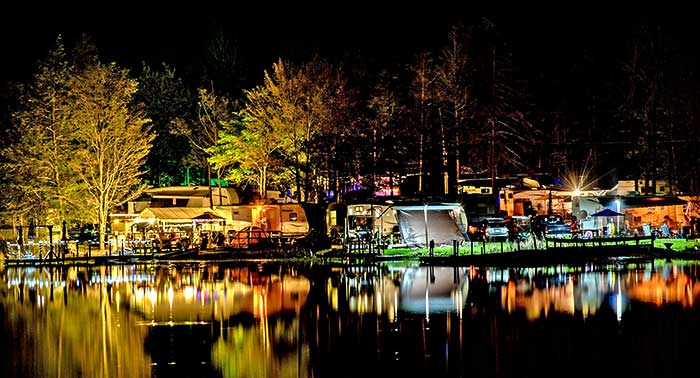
[[544, 46], [550, 51]]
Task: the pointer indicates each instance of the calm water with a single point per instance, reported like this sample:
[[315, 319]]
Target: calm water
[[285, 320]]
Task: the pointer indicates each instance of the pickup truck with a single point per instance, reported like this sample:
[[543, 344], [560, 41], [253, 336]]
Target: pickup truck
[[550, 225]]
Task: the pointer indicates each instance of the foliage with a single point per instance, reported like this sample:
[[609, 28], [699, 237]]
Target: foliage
[[301, 105], [112, 136], [166, 99], [250, 148], [40, 184]]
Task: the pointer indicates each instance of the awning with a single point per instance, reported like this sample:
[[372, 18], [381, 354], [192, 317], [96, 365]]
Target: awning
[[208, 217], [607, 213], [641, 201], [173, 214]]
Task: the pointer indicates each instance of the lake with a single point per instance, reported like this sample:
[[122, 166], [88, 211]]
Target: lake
[[272, 319]]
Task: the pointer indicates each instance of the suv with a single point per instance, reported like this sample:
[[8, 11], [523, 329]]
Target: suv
[[550, 225], [494, 229]]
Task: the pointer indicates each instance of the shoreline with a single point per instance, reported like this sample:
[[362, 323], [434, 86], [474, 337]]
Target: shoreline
[[551, 256]]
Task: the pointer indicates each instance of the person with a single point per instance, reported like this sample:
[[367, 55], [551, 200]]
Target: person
[[665, 229], [686, 226], [611, 227], [205, 240], [574, 226]]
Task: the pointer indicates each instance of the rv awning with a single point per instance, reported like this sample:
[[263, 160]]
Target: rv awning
[[173, 214], [440, 222], [430, 206], [641, 201]]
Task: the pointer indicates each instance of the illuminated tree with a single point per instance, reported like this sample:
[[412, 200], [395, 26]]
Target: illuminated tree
[[113, 138], [40, 183], [251, 150], [301, 104], [213, 113]]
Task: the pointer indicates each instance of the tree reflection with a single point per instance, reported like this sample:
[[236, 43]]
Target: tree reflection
[[264, 350], [85, 338]]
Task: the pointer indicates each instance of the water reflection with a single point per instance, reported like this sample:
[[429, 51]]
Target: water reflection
[[59, 325], [303, 320], [150, 320]]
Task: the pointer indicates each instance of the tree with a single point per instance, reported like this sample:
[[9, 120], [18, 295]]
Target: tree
[[500, 110], [213, 113], [301, 103], [166, 99], [113, 136], [423, 93], [455, 103], [389, 140], [223, 64], [250, 149], [38, 163]]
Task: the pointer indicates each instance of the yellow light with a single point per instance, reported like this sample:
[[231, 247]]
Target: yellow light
[[152, 295], [189, 294], [577, 192]]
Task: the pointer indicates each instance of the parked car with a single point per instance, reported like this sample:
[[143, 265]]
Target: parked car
[[494, 229], [550, 225]]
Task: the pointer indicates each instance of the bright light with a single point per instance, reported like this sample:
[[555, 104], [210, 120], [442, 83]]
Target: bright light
[[577, 192]]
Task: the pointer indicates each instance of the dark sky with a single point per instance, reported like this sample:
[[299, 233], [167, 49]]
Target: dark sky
[[178, 37], [547, 47]]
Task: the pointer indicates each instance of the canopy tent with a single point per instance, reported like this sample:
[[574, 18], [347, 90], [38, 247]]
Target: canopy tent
[[607, 213], [208, 217]]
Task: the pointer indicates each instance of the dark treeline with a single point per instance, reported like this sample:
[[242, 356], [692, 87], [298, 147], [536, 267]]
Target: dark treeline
[[326, 108]]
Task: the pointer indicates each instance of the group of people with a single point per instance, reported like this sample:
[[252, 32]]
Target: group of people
[[207, 239]]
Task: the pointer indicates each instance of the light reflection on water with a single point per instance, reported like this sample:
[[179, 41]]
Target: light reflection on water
[[306, 320]]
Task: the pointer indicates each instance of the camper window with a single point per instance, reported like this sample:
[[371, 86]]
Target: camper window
[[293, 217]]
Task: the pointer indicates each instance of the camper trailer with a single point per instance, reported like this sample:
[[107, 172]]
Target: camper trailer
[[362, 222], [398, 225], [289, 219]]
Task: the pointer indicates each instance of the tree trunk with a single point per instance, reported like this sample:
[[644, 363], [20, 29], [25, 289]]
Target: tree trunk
[[211, 200], [102, 218], [420, 164], [218, 184], [297, 177]]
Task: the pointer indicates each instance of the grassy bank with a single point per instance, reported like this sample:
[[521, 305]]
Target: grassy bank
[[678, 245]]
